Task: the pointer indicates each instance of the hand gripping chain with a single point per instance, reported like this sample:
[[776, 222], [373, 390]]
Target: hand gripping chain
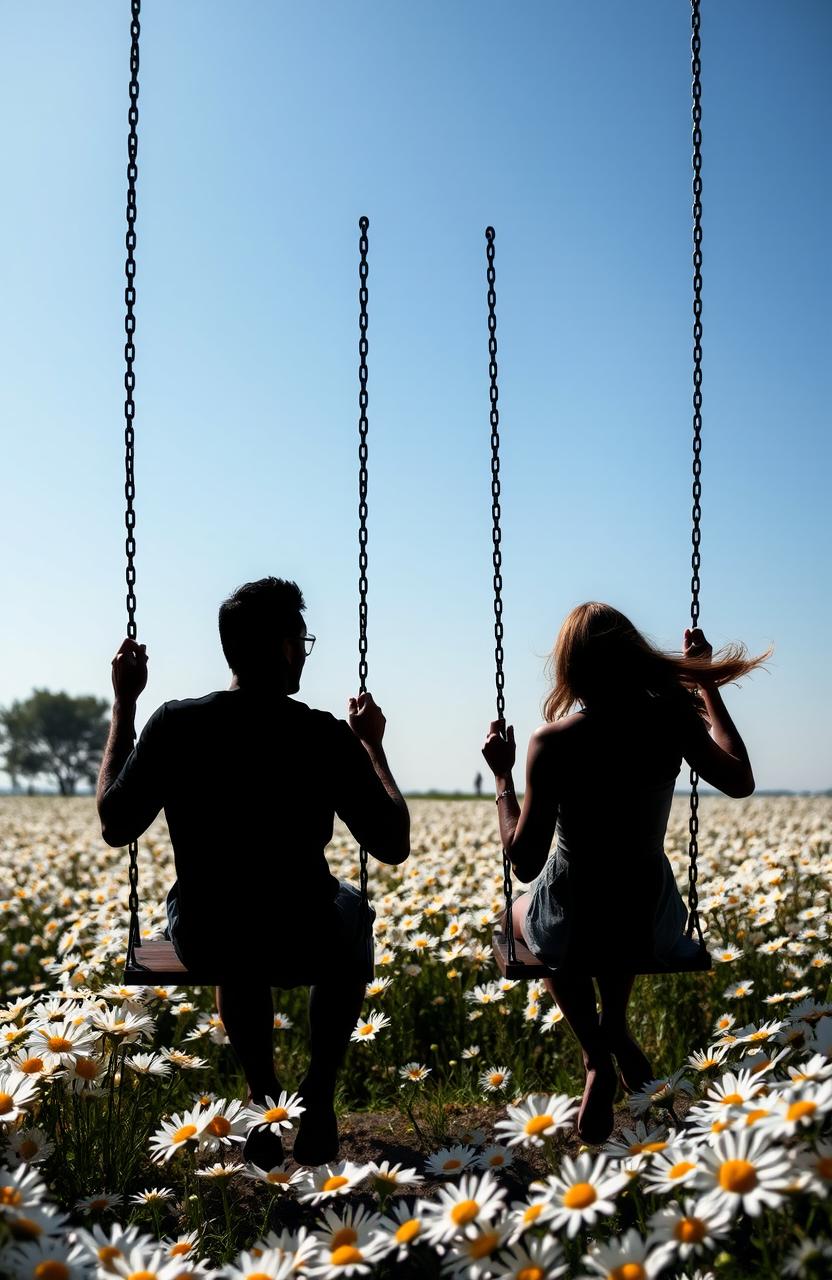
[[129, 403], [693, 825], [496, 538]]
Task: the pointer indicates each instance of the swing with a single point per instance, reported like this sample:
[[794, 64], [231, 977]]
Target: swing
[[514, 960], [155, 961]]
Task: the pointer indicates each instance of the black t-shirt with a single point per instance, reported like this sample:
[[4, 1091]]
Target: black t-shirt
[[250, 785]]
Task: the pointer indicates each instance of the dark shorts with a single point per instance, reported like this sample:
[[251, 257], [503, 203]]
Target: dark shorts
[[351, 949]]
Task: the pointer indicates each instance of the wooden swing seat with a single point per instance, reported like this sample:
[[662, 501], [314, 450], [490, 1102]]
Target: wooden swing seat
[[155, 963], [526, 965]]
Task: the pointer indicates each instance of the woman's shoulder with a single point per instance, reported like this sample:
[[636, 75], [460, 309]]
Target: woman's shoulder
[[552, 731]]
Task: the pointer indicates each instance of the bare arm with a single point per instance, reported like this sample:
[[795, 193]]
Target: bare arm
[[116, 752], [128, 799], [718, 753], [386, 830], [526, 834]]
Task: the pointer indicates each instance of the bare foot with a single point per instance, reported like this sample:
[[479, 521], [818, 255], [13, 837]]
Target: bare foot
[[595, 1118], [633, 1063]]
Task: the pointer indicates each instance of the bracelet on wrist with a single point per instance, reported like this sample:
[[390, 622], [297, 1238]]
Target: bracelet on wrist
[[508, 791]]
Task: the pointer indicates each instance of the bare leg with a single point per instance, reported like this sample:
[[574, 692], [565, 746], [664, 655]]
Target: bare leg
[[634, 1064], [334, 1007], [247, 1013]]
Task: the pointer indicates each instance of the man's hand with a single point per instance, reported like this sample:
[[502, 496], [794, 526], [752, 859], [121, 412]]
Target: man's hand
[[366, 719], [129, 671], [499, 749]]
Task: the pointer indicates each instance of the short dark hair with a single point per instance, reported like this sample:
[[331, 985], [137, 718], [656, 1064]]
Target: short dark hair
[[256, 615]]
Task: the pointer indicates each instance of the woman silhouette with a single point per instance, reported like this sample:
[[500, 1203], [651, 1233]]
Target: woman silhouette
[[602, 777]]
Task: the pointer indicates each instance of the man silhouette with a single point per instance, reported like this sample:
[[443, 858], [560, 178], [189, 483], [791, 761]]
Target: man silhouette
[[250, 781]]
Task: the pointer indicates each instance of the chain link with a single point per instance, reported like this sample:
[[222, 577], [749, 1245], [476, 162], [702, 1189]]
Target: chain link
[[363, 426], [496, 540], [696, 537], [130, 407]]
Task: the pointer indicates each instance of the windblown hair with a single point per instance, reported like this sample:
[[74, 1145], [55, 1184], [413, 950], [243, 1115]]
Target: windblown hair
[[253, 621], [599, 655]]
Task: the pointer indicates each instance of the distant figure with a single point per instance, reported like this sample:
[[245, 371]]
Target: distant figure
[[478, 784], [250, 781], [602, 779]]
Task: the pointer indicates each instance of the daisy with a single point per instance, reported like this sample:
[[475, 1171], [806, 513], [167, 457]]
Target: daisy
[[280, 1177], [803, 1105], [707, 1059], [807, 1258], [580, 1191], [179, 1130], [402, 1229], [152, 1195], [101, 1202], [624, 1256], [36, 1222], [527, 1214], [724, 1022], [188, 1061], [759, 1035], [147, 1064], [17, 1092], [742, 1171], [414, 1072], [348, 1245], [31, 1145], [86, 1075], [724, 955], [103, 1249], [378, 986], [817, 1166], [660, 1093], [637, 1143], [538, 1117], [672, 1169], [32, 1064], [817, 1067], [229, 1124], [486, 994], [462, 1209], [331, 1180], [277, 1115], [59, 1042], [680, 1233], [450, 1161], [124, 1024], [268, 1264], [495, 1078], [739, 990], [472, 1051], [538, 1260], [47, 1257], [733, 1090], [183, 1246], [20, 1188], [495, 1157], [551, 1018], [386, 1176], [282, 1022], [473, 1256], [218, 1172], [369, 1027]]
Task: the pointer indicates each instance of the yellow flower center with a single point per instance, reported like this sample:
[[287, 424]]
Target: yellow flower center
[[732, 1099], [86, 1068], [738, 1176], [184, 1133], [532, 1213], [106, 1254], [219, 1127], [143, 1275], [484, 1245], [51, 1269], [180, 1248], [409, 1230], [345, 1255], [464, 1212], [280, 1178], [333, 1184], [800, 1109], [538, 1124], [25, 1228], [823, 1167], [258, 1275], [628, 1271], [690, 1230], [366, 1029], [719, 1125], [530, 1273], [10, 1195], [581, 1196], [97, 1205], [275, 1113], [451, 1164], [754, 1116], [31, 1066], [59, 1044], [654, 1146], [345, 1236], [28, 1148], [679, 1170], [6, 1103]]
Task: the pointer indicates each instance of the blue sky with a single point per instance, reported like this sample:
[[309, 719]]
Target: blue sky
[[266, 130]]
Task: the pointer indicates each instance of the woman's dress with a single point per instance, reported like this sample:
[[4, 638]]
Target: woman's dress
[[607, 895]]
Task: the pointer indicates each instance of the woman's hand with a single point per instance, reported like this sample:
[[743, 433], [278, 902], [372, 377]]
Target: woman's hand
[[129, 671], [366, 719], [695, 645], [499, 749]]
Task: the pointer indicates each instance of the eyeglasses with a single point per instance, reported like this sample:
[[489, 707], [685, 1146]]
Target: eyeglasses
[[308, 643]]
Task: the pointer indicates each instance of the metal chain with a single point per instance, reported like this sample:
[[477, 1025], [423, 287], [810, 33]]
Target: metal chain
[[363, 425], [696, 560], [496, 539], [130, 407]]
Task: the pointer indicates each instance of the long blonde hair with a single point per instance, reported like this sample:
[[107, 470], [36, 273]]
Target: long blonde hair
[[599, 653]]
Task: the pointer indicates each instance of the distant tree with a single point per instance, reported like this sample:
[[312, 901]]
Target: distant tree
[[54, 735]]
